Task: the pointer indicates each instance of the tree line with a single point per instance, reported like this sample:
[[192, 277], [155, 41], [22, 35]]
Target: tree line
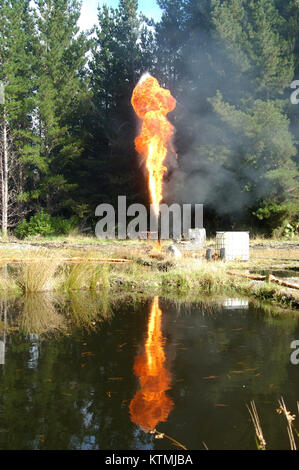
[[67, 127]]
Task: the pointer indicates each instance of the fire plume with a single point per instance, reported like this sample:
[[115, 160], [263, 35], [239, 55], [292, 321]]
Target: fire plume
[[150, 404], [151, 104]]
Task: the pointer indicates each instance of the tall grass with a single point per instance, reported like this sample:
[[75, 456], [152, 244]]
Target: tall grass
[[98, 276], [74, 276], [36, 275], [84, 275]]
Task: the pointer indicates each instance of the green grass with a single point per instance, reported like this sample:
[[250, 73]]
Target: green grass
[[74, 276]]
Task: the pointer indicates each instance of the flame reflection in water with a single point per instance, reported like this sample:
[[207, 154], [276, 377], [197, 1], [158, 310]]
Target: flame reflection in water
[[151, 404]]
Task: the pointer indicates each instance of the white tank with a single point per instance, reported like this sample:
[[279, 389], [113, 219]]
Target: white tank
[[235, 244]]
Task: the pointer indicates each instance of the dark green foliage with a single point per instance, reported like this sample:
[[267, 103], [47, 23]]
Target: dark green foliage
[[44, 224], [17, 108], [228, 63], [121, 53], [61, 91]]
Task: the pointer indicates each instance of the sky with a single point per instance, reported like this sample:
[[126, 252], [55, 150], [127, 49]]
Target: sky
[[89, 10]]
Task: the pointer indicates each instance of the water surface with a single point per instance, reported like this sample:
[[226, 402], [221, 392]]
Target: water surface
[[104, 382]]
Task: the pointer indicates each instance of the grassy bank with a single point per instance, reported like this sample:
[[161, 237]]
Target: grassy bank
[[43, 269]]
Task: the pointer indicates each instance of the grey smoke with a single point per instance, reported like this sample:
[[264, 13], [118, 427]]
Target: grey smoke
[[198, 177]]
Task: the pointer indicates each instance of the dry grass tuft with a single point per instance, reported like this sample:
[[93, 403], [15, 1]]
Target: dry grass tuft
[[260, 440], [290, 418], [84, 275], [37, 275]]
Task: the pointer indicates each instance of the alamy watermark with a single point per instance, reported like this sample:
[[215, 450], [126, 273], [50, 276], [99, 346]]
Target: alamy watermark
[[136, 222], [294, 96], [2, 93], [294, 358]]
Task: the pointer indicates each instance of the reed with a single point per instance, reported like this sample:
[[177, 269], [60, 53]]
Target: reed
[[84, 275], [38, 275], [259, 437], [290, 418], [98, 276], [74, 276]]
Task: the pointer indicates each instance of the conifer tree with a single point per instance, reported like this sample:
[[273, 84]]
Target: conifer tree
[[17, 150], [61, 89], [121, 54], [234, 61]]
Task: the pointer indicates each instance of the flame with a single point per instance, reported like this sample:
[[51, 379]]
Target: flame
[[157, 248], [150, 404], [151, 104]]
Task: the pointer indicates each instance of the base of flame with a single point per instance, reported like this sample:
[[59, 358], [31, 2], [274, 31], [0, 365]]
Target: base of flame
[[157, 248]]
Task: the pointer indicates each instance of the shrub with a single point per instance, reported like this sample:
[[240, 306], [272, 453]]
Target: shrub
[[63, 226], [44, 224], [272, 215], [21, 231], [39, 224]]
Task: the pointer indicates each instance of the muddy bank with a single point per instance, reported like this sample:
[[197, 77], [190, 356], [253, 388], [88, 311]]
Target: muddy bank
[[139, 244]]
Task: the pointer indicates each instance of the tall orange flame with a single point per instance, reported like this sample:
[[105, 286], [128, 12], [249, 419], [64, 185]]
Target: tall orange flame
[[150, 404], [151, 104]]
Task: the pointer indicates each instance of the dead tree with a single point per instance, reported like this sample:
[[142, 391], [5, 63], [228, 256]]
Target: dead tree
[[4, 175], [12, 210]]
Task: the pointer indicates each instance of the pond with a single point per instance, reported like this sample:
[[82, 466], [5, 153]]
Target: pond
[[86, 374]]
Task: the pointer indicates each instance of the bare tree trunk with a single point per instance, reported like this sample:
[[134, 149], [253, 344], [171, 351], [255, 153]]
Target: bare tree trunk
[[11, 180], [4, 177], [3, 309], [2, 181]]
